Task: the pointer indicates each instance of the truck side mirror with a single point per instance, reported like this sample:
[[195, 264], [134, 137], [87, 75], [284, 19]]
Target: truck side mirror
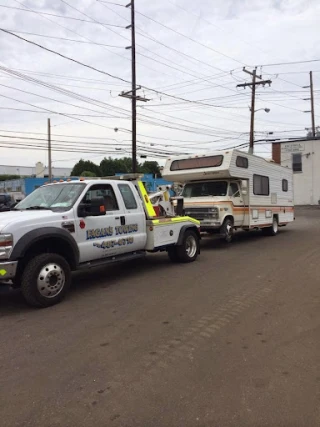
[[94, 208]]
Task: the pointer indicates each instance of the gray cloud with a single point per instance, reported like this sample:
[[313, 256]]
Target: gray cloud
[[245, 32]]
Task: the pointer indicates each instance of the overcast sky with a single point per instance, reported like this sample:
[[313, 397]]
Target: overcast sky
[[197, 54]]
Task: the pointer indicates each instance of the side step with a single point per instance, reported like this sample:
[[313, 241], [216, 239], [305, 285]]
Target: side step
[[111, 260]]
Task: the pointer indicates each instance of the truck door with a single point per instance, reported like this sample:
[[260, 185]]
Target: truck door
[[96, 235], [134, 217], [237, 202]]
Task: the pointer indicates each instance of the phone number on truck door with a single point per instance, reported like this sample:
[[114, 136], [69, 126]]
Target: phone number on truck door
[[112, 243]]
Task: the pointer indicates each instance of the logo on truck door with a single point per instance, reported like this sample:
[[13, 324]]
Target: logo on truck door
[[96, 233]]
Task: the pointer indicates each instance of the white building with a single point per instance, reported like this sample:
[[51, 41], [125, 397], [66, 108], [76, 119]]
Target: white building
[[303, 156], [37, 171]]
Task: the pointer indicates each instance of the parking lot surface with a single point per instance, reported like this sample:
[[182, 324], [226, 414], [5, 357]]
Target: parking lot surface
[[230, 340]]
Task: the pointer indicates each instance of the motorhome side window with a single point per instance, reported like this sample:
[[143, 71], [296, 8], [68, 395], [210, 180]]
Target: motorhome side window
[[260, 185], [197, 163], [285, 185], [242, 162]]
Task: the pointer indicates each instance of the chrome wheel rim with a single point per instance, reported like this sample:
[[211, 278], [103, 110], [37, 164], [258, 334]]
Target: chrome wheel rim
[[191, 246], [229, 232], [51, 280]]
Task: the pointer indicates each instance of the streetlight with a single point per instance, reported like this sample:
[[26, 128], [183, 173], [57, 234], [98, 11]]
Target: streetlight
[[266, 110]]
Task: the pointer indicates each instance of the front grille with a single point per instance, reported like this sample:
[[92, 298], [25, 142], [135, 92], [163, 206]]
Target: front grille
[[201, 213], [198, 210]]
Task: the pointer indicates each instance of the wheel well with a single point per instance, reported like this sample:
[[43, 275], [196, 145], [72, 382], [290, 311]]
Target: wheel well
[[229, 217], [277, 217], [48, 245]]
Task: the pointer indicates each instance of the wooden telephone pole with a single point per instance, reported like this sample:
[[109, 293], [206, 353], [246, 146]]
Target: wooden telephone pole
[[253, 85], [132, 94], [313, 124]]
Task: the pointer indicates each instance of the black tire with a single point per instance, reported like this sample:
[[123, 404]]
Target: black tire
[[227, 230], [172, 254], [273, 230], [190, 247], [45, 280]]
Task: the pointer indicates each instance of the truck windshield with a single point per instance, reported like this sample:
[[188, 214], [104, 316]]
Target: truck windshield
[[59, 197], [202, 189]]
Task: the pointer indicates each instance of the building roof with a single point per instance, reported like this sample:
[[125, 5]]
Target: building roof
[[317, 138]]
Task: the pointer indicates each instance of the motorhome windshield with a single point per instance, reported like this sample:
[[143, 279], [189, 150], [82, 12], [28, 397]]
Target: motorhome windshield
[[202, 189]]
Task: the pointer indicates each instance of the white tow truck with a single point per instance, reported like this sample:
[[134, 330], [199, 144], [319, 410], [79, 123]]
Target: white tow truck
[[67, 226]]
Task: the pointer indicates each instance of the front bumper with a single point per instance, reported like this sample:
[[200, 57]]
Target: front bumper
[[210, 224], [8, 270]]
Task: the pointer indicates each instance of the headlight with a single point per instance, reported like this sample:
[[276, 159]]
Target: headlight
[[214, 212], [6, 244]]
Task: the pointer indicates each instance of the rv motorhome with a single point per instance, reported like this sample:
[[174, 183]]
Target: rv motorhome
[[229, 190]]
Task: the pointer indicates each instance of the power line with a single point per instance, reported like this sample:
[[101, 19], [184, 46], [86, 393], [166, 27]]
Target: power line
[[182, 35], [56, 100], [146, 35], [64, 56], [56, 112], [60, 16], [45, 112], [53, 75], [93, 68], [148, 57], [94, 20], [86, 38], [213, 25], [185, 142], [65, 39], [189, 38], [289, 63]]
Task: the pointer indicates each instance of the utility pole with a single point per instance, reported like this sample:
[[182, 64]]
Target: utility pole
[[312, 106], [133, 90], [49, 151], [133, 93], [313, 126], [253, 85]]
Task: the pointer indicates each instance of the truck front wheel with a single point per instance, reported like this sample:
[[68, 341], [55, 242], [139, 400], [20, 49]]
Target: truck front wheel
[[45, 280], [188, 250]]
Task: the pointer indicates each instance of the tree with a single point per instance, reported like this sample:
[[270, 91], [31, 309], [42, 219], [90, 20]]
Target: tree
[[9, 177], [309, 134], [88, 174], [150, 167], [109, 167], [85, 166]]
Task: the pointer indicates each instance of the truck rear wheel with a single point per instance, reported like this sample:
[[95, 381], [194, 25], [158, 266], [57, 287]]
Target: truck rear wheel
[[188, 250], [45, 280]]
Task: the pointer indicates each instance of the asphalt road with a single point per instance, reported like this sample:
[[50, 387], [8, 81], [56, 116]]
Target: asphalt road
[[230, 340]]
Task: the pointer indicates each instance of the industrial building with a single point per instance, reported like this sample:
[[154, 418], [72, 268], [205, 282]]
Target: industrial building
[[303, 156], [39, 171]]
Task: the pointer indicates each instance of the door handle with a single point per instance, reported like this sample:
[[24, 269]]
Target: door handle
[[117, 217]]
